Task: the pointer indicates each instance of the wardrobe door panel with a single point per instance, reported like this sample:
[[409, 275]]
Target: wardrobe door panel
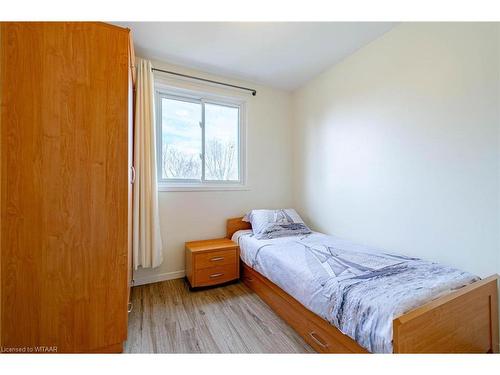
[[64, 188]]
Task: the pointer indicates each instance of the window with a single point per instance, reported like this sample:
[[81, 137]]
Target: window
[[199, 141]]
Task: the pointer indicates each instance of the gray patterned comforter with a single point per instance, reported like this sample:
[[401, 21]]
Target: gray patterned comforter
[[357, 289]]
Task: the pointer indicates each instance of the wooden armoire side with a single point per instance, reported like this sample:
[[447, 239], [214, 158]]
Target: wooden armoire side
[[65, 138]]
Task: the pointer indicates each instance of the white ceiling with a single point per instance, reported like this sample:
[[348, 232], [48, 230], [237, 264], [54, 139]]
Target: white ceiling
[[278, 54]]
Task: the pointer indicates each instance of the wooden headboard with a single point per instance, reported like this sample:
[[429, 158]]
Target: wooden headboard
[[235, 224]]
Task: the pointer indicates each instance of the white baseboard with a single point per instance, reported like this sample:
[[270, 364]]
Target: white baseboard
[[159, 277]]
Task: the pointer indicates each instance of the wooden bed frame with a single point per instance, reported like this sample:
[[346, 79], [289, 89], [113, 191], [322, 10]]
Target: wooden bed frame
[[464, 321]]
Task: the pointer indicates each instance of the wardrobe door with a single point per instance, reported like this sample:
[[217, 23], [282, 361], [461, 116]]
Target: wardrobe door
[[64, 193]]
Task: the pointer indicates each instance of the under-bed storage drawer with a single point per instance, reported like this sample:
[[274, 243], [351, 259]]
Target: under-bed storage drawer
[[321, 340], [316, 331]]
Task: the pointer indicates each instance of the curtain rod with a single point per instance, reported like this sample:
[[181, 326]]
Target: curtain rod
[[253, 91]]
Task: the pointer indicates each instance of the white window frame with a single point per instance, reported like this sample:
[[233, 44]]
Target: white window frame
[[166, 91]]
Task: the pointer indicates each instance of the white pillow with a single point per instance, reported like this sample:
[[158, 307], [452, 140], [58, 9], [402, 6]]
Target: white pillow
[[276, 223]]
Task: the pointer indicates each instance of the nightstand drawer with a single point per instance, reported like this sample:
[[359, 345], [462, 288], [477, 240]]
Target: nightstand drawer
[[216, 275], [215, 259]]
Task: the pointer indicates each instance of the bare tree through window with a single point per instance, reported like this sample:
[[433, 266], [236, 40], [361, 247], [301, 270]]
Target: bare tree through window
[[219, 160], [177, 164]]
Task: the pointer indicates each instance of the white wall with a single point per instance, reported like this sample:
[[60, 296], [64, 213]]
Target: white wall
[[187, 216], [398, 145]]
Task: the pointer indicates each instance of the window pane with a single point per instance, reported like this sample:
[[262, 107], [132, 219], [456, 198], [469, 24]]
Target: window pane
[[181, 139], [221, 143]]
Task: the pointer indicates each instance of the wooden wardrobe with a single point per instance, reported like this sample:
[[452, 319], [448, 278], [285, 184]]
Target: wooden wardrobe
[[66, 157]]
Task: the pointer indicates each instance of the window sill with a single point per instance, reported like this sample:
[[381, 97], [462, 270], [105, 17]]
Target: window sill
[[178, 187]]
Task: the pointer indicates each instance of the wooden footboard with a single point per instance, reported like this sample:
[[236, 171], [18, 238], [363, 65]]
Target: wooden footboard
[[465, 321]]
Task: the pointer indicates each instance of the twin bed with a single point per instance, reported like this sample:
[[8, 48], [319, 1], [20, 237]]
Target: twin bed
[[345, 298]]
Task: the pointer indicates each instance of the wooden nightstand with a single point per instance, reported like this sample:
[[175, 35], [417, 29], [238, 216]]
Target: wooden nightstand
[[212, 262]]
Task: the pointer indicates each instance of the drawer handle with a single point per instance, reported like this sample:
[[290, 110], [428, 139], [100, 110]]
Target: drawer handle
[[318, 339], [213, 276], [216, 259], [130, 307]]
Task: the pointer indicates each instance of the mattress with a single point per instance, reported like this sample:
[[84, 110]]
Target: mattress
[[358, 289]]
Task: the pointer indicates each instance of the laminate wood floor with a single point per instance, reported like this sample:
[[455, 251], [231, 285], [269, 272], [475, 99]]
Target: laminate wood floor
[[168, 318]]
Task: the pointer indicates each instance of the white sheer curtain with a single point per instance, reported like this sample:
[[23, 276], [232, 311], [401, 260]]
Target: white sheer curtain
[[147, 242]]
